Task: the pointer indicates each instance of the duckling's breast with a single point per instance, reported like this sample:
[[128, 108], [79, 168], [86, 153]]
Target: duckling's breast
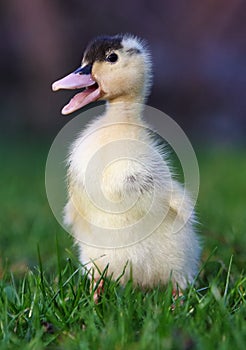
[[118, 181]]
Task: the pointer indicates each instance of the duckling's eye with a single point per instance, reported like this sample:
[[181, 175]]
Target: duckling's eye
[[113, 57]]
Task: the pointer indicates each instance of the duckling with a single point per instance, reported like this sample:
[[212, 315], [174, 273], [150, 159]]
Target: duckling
[[123, 201]]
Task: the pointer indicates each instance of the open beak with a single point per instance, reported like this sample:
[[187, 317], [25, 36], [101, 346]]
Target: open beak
[[80, 78]]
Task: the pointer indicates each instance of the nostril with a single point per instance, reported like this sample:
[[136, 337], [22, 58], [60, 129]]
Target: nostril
[[84, 70]]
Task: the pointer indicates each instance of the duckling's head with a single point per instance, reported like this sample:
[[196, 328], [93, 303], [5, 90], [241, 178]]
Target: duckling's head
[[114, 68]]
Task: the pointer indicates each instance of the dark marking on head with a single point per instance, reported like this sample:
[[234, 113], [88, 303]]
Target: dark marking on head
[[133, 51], [98, 49]]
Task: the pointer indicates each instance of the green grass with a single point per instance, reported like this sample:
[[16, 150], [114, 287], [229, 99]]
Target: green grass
[[45, 301]]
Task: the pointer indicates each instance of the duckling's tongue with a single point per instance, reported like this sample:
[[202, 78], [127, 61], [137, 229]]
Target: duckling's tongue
[[77, 81], [90, 94]]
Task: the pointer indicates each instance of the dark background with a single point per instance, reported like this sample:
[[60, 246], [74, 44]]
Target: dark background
[[198, 49]]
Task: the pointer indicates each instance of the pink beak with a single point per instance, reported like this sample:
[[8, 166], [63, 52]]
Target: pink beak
[[81, 78]]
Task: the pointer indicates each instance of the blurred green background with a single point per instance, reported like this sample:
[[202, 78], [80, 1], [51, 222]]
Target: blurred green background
[[198, 52]]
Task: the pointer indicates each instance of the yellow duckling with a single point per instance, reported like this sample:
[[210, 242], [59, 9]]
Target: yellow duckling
[[123, 202]]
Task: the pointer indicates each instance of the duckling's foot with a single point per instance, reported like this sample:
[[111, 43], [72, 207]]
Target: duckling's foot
[[98, 291], [177, 295]]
